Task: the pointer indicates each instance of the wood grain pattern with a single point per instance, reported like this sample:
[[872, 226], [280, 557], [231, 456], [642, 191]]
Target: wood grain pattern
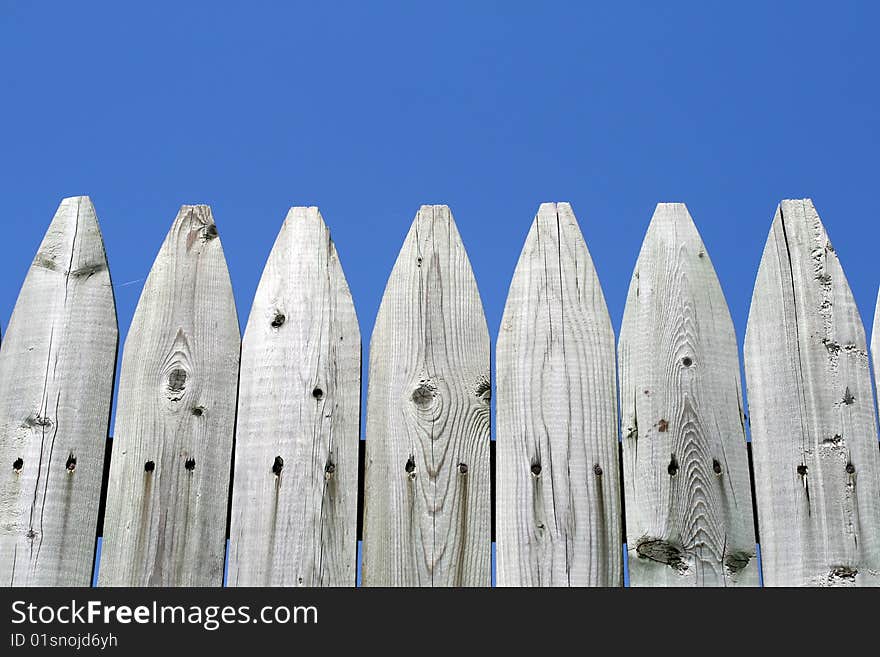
[[558, 505], [427, 494], [167, 497], [814, 436], [294, 504], [685, 465], [56, 382]]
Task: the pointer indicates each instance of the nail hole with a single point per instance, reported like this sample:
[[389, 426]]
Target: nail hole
[[536, 469], [149, 466], [278, 320], [802, 470], [277, 466], [662, 426], [672, 469], [318, 394], [190, 464], [686, 361], [18, 464], [597, 469], [850, 468], [410, 467], [462, 468], [716, 466], [71, 463], [329, 470], [198, 410]]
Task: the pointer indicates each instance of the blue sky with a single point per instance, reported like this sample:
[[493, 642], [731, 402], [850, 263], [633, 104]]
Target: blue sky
[[370, 109]]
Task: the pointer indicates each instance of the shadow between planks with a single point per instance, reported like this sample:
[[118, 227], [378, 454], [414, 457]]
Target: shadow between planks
[[677, 534]]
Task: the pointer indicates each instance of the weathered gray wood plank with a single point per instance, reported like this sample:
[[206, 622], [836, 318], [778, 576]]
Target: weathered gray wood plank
[[558, 512], [56, 382], [814, 436], [427, 495], [688, 499], [294, 504], [167, 497]]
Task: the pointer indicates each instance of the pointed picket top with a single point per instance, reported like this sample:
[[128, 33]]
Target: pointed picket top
[[427, 494], [294, 503], [56, 382], [687, 493], [167, 496], [558, 508], [814, 436]]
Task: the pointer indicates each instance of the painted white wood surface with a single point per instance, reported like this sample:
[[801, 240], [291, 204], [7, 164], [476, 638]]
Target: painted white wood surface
[[57, 365], [427, 492], [558, 510], [168, 492], [689, 515], [294, 504], [813, 424]]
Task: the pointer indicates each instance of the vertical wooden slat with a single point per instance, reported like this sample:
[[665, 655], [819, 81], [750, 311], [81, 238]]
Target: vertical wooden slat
[[296, 456], [689, 515], [167, 497], [427, 495], [56, 382], [558, 490], [814, 436]]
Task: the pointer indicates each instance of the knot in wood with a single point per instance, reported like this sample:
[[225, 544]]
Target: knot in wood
[[37, 420], [18, 464], [656, 549], [176, 385], [423, 395], [483, 390]]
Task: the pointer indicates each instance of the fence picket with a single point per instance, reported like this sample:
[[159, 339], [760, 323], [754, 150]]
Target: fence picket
[[427, 491], [167, 497], [294, 503], [56, 383], [814, 436], [558, 485], [689, 516]]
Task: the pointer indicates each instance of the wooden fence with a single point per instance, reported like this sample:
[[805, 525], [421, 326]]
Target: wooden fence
[[257, 439]]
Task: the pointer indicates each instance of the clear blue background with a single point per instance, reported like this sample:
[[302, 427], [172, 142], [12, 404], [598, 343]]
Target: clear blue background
[[371, 109]]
